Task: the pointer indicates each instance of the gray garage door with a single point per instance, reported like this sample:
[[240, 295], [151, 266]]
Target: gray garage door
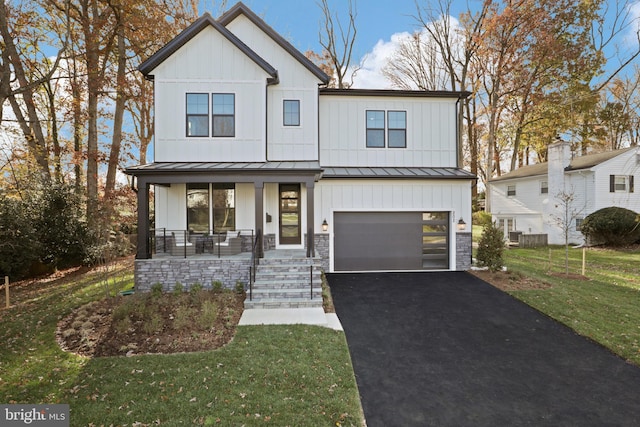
[[365, 241]]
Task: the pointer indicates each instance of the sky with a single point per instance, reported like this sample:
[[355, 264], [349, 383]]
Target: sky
[[379, 25], [299, 21]]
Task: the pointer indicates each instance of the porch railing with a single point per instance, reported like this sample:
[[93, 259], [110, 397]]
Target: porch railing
[[185, 243], [256, 253]]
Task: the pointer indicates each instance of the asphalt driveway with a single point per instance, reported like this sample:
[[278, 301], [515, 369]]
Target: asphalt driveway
[[447, 349]]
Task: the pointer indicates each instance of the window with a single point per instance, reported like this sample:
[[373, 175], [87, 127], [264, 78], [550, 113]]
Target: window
[[224, 207], [621, 183], [544, 187], [397, 129], [224, 110], [198, 208], [375, 129], [579, 224], [291, 112], [197, 114], [511, 190]]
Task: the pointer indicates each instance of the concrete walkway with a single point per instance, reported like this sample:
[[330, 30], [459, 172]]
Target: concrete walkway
[[290, 316]]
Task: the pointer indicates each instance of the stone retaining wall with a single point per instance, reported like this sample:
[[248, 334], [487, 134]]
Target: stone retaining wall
[[188, 272]]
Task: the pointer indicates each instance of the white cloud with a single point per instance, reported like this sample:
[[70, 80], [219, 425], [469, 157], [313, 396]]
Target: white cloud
[[370, 74]]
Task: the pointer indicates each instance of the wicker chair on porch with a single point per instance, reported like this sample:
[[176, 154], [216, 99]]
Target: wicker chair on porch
[[232, 244], [181, 246]]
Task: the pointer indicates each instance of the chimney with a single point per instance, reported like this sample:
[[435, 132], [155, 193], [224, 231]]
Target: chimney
[[559, 158]]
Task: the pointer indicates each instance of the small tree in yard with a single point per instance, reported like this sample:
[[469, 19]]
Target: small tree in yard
[[566, 217], [490, 248]]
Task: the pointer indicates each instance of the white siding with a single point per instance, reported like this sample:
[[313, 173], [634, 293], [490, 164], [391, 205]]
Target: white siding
[[431, 132], [171, 207], [296, 83], [626, 164], [209, 63]]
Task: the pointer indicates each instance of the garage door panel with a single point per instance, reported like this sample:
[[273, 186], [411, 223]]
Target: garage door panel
[[378, 241]]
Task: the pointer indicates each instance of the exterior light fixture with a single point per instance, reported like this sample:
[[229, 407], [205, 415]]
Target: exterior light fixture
[[462, 225], [325, 226]]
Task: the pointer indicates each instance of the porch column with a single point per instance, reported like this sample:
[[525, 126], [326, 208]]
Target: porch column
[[143, 249], [310, 219], [259, 212]]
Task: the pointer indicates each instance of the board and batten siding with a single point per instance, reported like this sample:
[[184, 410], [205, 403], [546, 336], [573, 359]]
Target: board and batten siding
[[400, 195], [209, 63], [296, 82], [431, 132]]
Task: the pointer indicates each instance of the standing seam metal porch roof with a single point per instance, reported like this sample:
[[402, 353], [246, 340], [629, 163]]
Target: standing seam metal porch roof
[[300, 166]]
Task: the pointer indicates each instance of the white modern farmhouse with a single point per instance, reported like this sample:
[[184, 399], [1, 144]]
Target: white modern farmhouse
[[258, 163], [529, 199]]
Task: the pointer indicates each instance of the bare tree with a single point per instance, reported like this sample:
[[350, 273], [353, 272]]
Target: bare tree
[[338, 39], [565, 218]]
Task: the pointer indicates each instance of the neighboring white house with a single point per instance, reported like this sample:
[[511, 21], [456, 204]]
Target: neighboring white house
[[530, 200], [248, 138]]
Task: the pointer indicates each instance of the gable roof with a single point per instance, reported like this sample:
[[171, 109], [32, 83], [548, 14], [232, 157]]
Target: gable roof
[[582, 162], [240, 9], [189, 33]]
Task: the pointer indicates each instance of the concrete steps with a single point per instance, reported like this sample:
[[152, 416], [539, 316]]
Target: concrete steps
[[286, 283]]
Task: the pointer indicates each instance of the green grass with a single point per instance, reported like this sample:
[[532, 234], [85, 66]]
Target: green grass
[[279, 375], [604, 306], [282, 375]]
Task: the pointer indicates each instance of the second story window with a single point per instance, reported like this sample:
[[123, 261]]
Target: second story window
[[397, 129], [291, 112], [224, 114], [197, 114], [544, 187], [375, 129], [511, 190]]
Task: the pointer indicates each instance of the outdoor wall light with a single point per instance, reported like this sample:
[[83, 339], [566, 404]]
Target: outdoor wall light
[[325, 225], [462, 225]]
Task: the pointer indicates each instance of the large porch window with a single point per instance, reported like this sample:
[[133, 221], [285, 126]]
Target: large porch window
[[224, 207], [211, 204]]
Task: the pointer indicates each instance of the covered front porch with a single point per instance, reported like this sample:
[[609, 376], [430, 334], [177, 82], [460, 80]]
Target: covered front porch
[[220, 217]]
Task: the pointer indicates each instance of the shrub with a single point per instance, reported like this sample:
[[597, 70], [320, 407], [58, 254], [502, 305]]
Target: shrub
[[490, 248], [216, 285], [482, 218], [612, 226]]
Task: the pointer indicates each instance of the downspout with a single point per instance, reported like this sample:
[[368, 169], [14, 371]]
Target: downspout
[[458, 142], [270, 82]]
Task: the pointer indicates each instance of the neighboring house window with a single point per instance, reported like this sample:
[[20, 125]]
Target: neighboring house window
[[397, 129], [224, 207], [197, 114], [198, 208], [291, 112], [621, 183], [511, 190], [506, 225], [544, 187], [375, 129], [579, 223], [224, 114]]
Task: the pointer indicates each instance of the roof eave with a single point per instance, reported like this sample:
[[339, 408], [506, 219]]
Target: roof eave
[[206, 20]]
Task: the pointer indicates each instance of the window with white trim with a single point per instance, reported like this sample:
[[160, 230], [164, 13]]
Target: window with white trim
[[544, 187], [511, 190], [621, 184]]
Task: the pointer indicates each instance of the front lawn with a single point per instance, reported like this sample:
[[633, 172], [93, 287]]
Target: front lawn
[[278, 375], [604, 305]]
